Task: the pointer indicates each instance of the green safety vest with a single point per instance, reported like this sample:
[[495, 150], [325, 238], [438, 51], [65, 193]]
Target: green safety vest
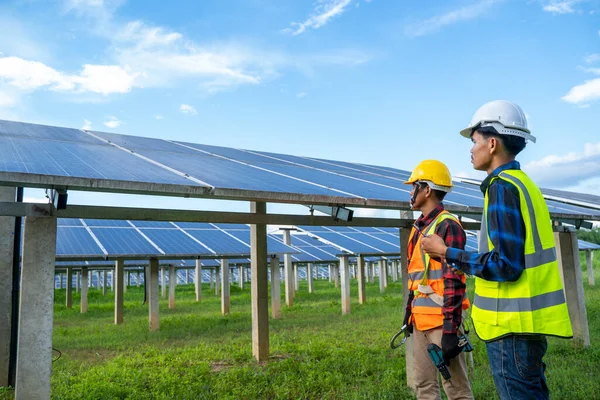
[[534, 303]]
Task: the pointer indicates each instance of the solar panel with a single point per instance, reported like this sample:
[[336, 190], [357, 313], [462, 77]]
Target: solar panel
[[36, 151], [175, 241], [75, 241], [583, 245], [124, 241]]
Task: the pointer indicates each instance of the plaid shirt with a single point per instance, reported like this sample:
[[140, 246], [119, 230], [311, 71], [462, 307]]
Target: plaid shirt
[[454, 289], [506, 228]]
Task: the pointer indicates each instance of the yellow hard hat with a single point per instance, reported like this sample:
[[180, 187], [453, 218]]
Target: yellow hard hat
[[434, 173]]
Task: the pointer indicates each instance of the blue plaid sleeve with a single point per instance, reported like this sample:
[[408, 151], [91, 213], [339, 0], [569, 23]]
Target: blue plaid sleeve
[[506, 261]]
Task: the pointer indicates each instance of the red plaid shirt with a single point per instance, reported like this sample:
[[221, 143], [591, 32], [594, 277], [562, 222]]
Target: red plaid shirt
[[454, 289]]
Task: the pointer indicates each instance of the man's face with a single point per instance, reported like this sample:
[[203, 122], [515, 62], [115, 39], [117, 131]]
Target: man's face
[[481, 156], [421, 195]]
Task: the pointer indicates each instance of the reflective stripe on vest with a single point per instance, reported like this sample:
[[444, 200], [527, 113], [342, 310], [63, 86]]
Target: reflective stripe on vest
[[535, 303]]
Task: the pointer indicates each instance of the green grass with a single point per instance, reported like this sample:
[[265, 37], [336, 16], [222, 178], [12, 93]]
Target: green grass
[[315, 352]]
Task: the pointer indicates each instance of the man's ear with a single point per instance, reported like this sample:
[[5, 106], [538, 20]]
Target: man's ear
[[492, 145], [428, 191]]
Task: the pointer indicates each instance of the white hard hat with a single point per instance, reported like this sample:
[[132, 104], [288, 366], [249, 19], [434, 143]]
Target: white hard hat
[[506, 117]]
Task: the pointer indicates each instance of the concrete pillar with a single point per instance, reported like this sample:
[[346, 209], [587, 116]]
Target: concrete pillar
[[172, 284], [34, 348], [163, 282], [241, 277], [212, 278], [119, 295], [112, 280], [83, 305], [153, 320], [104, 276], [367, 268], [187, 276], [275, 289], [336, 275], [198, 280], [225, 287], [296, 279], [126, 281], [309, 277], [217, 281], [329, 272], [381, 276], [589, 257], [69, 288], [395, 270], [7, 236], [259, 285], [77, 281], [567, 251], [138, 280], [408, 346], [373, 272], [289, 273], [360, 266], [345, 278]]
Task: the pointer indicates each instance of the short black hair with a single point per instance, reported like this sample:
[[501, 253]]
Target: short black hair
[[439, 194], [513, 144]]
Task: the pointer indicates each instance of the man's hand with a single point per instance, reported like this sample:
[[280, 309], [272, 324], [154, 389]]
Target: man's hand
[[434, 246], [450, 347]]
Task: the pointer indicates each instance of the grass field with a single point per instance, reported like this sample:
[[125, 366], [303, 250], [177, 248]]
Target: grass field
[[315, 351]]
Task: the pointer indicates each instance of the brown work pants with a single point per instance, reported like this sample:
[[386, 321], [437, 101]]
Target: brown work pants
[[426, 374]]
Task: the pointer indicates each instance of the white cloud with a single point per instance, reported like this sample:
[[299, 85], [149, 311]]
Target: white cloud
[[87, 125], [323, 12], [30, 75], [187, 109], [113, 122], [587, 91], [301, 95], [566, 170], [592, 58], [6, 100], [560, 6], [434, 24], [158, 117]]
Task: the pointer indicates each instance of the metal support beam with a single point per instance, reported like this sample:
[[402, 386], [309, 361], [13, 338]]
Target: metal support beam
[[259, 284], [34, 348]]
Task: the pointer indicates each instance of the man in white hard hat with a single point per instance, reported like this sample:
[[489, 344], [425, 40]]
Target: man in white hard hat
[[519, 295]]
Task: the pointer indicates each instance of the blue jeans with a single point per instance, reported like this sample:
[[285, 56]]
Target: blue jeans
[[517, 366]]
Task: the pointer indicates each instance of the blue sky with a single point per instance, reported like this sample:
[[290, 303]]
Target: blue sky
[[380, 82]]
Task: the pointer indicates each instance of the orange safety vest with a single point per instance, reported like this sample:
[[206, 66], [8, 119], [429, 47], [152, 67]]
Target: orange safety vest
[[422, 270]]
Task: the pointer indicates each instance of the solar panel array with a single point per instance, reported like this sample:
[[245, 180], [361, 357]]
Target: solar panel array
[[87, 239], [200, 170]]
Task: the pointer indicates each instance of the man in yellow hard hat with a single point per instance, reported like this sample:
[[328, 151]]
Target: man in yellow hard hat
[[519, 295], [437, 294]]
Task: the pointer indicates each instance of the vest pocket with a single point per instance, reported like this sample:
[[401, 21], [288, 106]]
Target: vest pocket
[[486, 302]]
